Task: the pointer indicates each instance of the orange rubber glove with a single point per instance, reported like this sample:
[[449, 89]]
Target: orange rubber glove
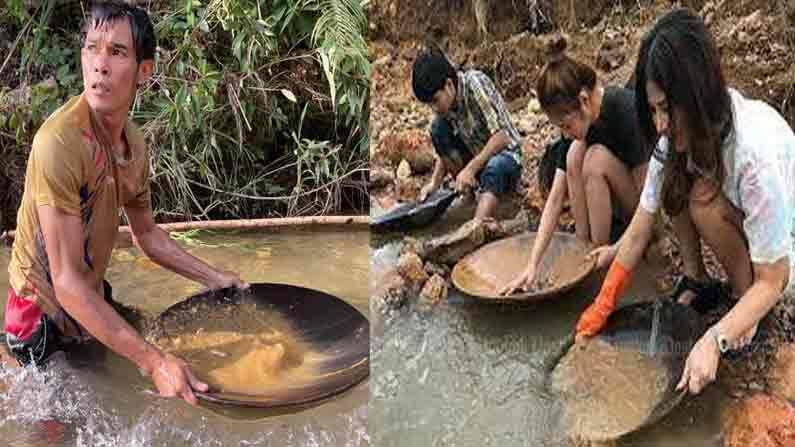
[[595, 316]]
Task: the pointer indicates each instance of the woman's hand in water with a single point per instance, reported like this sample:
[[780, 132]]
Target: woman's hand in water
[[604, 255], [701, 366], [228, 279], [523, 282], [173, 378]]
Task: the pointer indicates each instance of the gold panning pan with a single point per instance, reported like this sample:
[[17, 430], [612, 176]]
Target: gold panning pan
[[625, 378], [274, 345], [485, 271]]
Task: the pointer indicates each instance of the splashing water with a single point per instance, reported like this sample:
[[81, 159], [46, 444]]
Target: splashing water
[[58, 406], [108, 402]]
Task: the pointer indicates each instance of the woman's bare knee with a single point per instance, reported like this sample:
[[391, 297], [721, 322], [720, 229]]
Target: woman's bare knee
[[719, 223]]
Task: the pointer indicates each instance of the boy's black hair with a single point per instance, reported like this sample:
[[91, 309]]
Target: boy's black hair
[[430, 72]]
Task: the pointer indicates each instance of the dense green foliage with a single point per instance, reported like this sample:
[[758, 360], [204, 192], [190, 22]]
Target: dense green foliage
[[256, 107]]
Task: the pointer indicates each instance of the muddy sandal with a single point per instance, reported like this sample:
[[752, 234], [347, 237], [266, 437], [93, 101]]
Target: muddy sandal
[[709, 294]]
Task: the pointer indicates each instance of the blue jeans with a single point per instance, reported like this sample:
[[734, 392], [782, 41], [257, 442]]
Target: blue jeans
[[499, 176]]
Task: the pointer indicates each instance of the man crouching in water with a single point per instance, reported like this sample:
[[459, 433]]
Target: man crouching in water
[[89, 161]]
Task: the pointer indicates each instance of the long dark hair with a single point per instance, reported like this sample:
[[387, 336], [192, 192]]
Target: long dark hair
[[680, 56], [430, 72]]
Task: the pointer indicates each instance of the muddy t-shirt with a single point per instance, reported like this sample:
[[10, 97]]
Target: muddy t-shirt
[[617, 129], [68, 169]]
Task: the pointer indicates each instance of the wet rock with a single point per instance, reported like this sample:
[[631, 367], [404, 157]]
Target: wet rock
[[382, 204], [390, 292], [533, 106], [519, 223], [403, 170], [411, 269], [436, 269], [413, 146], [449, 248], [434, 291], [782, 373], [395, 299], [381, 177], [408, 189], [760, 421]]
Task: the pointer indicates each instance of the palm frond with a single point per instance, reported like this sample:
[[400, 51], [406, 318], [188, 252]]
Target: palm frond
[[342, 23]]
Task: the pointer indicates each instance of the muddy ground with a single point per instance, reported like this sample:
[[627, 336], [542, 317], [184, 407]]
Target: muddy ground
[[756, 40]]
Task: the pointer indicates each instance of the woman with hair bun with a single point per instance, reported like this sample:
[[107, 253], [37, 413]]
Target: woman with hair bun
[[599, 164]]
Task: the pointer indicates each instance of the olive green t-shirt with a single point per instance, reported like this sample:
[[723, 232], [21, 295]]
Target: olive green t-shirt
[[69, 170]]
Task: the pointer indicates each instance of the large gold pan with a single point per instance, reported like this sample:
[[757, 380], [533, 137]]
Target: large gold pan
[[485, 271], [328, 324]]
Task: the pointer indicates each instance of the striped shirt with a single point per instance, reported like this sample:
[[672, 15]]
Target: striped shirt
[[479, 112]]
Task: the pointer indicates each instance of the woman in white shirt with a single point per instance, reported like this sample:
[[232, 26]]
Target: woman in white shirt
[[723, 169]]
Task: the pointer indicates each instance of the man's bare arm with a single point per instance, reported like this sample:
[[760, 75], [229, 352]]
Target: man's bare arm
[[163, 250], [76, 290]]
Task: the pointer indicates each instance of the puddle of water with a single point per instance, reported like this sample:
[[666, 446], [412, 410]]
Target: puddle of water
[[466, 374], [104, 401]]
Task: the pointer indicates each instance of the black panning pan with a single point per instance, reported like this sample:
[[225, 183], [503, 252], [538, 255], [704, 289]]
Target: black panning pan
[[595, 385], [414, 215], [337, 333]]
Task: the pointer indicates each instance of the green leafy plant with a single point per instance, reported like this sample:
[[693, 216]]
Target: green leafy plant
[[250, 102]]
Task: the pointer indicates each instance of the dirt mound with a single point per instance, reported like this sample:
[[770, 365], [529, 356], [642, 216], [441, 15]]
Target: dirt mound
[[760, 420], [513, 64], [756, 48], [395, 20]]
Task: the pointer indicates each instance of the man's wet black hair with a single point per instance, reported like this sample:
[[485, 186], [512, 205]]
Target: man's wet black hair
[[430, 72], [143, 33]]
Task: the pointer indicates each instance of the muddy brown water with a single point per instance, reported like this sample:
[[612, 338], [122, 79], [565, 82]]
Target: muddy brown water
[[102, 400], [599, 382], [244, 349], [468, 374], [486, 271]]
